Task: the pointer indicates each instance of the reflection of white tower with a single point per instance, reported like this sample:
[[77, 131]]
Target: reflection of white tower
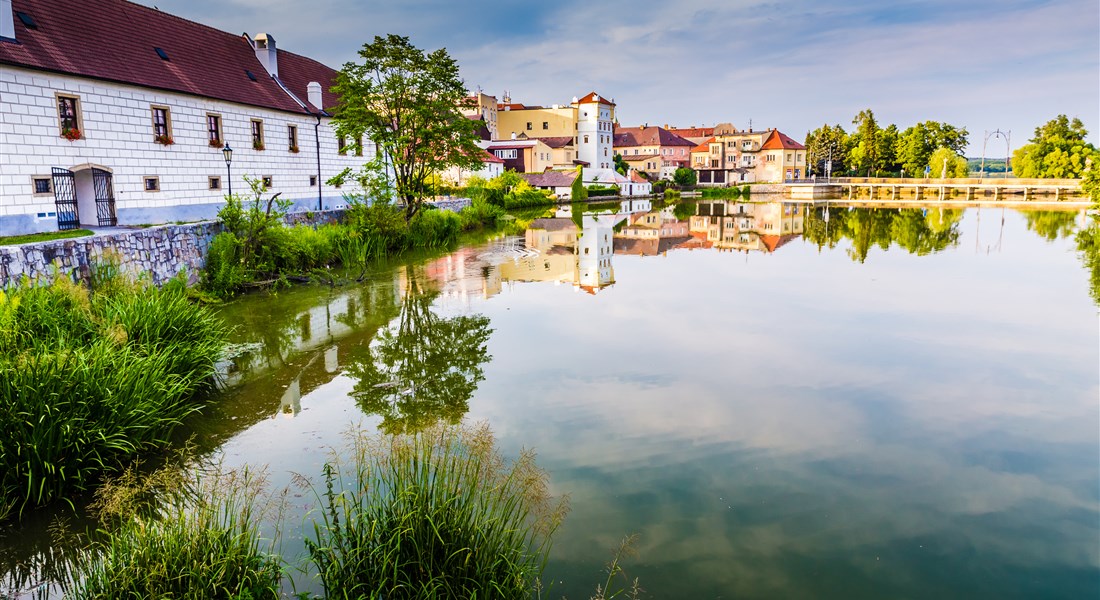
[[595, 116], [594, 250]]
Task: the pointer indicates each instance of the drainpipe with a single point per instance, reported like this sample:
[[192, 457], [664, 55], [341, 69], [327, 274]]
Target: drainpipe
[[317, 139]]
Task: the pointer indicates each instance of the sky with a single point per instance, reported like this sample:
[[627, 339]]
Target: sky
[[793, 65]]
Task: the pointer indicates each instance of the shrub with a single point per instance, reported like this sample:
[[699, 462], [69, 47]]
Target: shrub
[[435, 514], [671, 194], [434, 228], [480, 214]]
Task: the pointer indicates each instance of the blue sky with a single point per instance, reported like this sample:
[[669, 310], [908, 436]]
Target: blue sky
[[1011, 64]]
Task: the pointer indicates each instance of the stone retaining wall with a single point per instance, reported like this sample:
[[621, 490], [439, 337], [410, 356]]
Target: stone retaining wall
[[159, 253]]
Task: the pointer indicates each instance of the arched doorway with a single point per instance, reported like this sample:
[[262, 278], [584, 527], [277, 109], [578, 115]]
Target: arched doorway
[[84, 195]]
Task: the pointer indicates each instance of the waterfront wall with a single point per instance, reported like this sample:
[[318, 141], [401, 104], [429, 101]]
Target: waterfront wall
[[158, 253]]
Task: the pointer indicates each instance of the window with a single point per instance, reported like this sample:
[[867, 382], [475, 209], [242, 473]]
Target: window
[[43, 186], [292, 138], [257, 134], [586, 139], [214, 130], [214, 183], [266, 181], [312, 180], [506, 154], [529, 126], [152, 184], [341, 145], [771, 158], [162, 125], [359, 146], [788, 157], [68, 115], [545, 125]]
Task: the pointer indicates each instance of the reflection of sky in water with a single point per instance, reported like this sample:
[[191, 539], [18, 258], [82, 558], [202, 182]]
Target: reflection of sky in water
[[795, 424]]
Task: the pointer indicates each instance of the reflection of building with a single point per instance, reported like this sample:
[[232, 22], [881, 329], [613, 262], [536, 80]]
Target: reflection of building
[[654, 233], [463, 275], [746, 226], [564, 253]]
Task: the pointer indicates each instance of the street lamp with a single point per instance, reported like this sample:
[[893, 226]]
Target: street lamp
[[227, 152]]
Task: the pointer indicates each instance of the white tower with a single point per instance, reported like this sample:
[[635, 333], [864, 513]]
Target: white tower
[[595, 129]]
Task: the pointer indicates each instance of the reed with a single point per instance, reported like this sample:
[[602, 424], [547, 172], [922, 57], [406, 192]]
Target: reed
[[203, 542], [437, 514], [89, 380]]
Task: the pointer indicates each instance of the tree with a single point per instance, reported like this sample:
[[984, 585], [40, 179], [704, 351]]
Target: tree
[[864, 156], [685, 177], [407, 102], [1090, 179], [915, 145], [886, 150], [826, 144], [957, 166], [1058, 150], [620, 165]]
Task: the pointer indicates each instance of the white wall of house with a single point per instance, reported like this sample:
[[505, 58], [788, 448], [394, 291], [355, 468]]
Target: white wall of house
[[118, 136]]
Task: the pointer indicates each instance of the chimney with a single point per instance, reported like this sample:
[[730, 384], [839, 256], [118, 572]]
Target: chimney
[[266, 53], [313, 94], [507, 97], [513, 135], [7, 20]]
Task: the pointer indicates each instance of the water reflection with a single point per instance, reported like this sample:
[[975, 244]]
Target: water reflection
[[423, 368], [917, 230]]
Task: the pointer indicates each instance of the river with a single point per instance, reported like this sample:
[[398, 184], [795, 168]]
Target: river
[[778, 399]]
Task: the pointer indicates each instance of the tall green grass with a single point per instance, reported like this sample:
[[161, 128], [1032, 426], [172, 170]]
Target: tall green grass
[[438, 514], [203, 542], [90, 379]]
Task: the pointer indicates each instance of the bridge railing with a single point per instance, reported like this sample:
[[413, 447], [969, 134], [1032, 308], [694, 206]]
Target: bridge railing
[[959, 181]]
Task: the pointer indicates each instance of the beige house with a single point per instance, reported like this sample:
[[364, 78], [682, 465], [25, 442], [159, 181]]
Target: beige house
[[733, 157], [523, 156]]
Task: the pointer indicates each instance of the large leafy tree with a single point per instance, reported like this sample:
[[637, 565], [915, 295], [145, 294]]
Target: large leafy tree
[[916, 144], [407, 102], [956, 165], [1058, 150], [685, 177]]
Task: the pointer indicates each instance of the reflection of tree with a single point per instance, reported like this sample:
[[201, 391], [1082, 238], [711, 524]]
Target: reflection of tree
[[423, 368], [915, 230], [1088, 244], [1051, 224]]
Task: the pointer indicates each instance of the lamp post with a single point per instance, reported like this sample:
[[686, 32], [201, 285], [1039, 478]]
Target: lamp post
[[227, 152]]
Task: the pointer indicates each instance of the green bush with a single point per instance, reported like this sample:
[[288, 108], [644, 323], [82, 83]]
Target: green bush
[[89, 380], [480, 214], [671, 194], [600, 190], [437, 514], [723, 192]]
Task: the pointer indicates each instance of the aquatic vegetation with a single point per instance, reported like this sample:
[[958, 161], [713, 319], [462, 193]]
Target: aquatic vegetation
[[202, 542], [438, 514], [92, 378]]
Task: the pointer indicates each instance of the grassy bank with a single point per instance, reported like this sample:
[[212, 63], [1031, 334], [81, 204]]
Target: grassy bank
[[92, 377], [43, 237], [259, 250]]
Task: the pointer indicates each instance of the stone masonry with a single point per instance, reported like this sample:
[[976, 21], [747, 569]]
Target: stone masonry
[[159, 253]]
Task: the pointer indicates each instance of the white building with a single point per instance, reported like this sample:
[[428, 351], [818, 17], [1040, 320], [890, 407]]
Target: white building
[[595, 131], [119, 113]]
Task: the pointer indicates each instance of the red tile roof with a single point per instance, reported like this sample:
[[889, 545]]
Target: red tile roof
[[692, 131], [489, 157], [114, 40], [704, 147], [779, 140], [637, 157], [593, 97], [626, 137]]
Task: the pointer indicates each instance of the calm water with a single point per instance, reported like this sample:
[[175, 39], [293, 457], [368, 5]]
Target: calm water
[[780, 404]]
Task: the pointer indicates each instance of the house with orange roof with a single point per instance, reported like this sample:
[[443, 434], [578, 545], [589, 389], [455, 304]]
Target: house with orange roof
[[733, 157]]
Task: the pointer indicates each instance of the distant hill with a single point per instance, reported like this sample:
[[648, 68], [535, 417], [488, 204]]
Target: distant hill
[[992, 165]]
